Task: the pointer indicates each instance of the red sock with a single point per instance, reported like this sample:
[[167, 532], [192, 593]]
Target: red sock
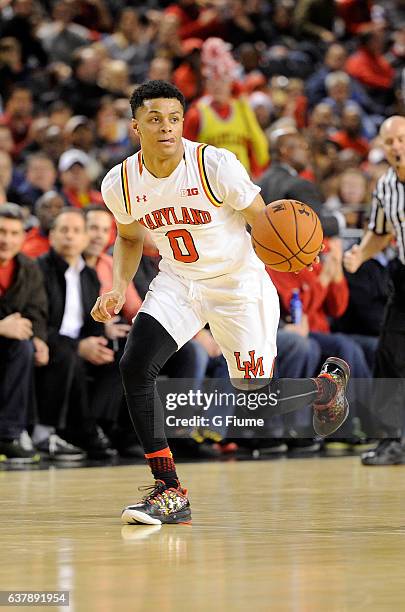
[[163, 468]]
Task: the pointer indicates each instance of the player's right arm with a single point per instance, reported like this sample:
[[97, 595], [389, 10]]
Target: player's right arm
[[370, 245], [127, 249], [127, 255]]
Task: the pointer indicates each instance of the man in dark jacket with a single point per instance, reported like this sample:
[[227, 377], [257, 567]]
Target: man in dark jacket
[[77, 350], [23, 310], [290, 155]]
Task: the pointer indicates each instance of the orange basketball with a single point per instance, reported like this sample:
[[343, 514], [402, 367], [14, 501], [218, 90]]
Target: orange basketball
[[287, 235]]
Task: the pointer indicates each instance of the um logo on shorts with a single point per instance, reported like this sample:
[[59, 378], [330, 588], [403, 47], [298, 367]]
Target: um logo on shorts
[[141, 198], [254, 366]]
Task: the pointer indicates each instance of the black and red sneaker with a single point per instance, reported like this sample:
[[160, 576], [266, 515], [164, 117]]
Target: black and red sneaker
[[162, 505], [330, 416]]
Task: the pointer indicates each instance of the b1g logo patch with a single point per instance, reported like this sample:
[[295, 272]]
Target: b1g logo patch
[[191, 191], [252, 368]]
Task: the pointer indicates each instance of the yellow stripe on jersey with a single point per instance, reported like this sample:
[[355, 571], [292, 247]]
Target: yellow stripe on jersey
[[140, 162], [124, 185], [204, 178]]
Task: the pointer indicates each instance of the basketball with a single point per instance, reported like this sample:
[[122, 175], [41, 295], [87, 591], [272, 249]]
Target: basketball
[[287, 235]]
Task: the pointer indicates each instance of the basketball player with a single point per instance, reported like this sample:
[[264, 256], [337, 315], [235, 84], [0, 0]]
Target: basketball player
[[196, 200]]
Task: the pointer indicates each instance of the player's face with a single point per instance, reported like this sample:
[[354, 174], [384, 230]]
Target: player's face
[[393, 137], [159, 123]]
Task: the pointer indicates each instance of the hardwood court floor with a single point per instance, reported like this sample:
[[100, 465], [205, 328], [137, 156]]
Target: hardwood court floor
[[301, 535]]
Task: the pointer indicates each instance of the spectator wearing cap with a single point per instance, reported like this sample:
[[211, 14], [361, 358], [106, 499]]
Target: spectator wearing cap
[[80, 133], [221, 119], [262, 107], [75, 179], [47, 208], [23, 332]]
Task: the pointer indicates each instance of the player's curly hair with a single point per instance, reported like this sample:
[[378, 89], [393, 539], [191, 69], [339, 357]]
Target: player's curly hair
[[154, 89]]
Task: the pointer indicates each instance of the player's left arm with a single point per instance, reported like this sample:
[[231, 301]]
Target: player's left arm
[[253, 210]]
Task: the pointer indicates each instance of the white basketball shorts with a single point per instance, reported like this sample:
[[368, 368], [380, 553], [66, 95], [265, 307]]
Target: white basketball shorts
[[242, 310]]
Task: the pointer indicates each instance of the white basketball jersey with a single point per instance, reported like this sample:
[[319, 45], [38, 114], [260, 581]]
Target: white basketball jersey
[[192, 214]]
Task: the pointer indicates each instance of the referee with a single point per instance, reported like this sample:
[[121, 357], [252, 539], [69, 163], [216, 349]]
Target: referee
[[387, 221]]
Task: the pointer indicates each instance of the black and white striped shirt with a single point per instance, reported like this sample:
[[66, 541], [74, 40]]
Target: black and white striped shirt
[[388, 209]]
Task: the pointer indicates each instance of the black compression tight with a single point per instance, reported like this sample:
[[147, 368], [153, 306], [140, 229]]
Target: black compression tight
[[148, 348]]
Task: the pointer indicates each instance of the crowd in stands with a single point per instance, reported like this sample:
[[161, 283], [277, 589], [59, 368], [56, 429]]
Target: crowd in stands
[[296, 89]]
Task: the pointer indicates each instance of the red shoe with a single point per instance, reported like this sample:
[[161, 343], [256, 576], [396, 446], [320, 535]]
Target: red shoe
[[329, 417]]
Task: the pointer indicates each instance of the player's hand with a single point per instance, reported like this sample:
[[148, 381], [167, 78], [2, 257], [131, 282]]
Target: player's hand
[[41, 355], [112, 300], [114, 329], [16, 327], [94, 349], [317, 260], [353, 259]]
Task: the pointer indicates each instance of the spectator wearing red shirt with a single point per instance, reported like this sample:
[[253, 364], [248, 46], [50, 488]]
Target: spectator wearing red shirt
[[369, 66], [75, 179], [324, 293], [18, 117], [195, 21], [349, 137], [47, 208], [23, 332], [222, 119]]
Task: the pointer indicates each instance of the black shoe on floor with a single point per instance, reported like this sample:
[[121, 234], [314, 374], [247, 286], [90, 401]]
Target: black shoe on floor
[[55, 448], [13, 452], [387, 452], [97, 444], [329, 417]]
